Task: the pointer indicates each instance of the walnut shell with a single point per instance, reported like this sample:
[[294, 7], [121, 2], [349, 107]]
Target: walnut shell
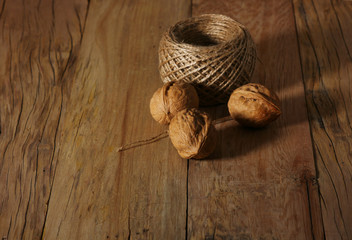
[[193, 134], [172, 98], [254, 105]]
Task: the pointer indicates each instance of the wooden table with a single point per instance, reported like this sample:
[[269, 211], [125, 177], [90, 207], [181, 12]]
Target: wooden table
[[76, 78]]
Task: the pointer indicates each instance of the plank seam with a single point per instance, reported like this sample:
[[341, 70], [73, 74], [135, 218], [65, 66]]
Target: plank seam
[[310, 209], [186, 227], [310, 131], [2, 8], [129, 225], [187, 177]]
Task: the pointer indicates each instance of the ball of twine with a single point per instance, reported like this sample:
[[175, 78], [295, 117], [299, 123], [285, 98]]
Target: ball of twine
[[213, 52]]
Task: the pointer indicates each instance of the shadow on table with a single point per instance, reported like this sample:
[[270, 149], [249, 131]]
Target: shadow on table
[[278, 71], [235, 140]]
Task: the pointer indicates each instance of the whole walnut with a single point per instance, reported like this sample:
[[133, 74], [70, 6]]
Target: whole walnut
[[254, 105], [172, 98], [193, 134]]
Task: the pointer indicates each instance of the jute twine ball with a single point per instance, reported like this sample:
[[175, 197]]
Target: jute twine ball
[[213, 52]]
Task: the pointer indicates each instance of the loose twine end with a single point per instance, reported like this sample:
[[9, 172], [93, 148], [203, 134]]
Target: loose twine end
[[221, 120], [160, 136]]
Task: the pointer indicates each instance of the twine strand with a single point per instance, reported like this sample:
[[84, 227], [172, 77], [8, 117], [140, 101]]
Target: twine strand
[[222, 120], [261, 62], [160, 136], [147, 141]]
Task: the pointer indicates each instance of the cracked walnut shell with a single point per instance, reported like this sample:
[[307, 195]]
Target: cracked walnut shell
[[192, 134], [254, 105], [172, 98]]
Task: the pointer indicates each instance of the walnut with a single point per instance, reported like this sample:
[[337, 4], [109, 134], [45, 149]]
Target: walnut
[[172, 98], [192, 134], [253, 105]]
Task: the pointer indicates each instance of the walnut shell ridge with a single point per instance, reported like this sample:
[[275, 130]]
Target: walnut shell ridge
[[193, 134], [172, 98], [254, 105]]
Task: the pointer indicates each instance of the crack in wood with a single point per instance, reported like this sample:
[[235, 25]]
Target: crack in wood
[[327, 97], [310, 209], [9, 228], [69, 61], [335, 190], [186, 226], [51, 65], [325, 48], [85, 20], [26, 213], [2, 8], [68, 200], [51, 166], [129, 225]]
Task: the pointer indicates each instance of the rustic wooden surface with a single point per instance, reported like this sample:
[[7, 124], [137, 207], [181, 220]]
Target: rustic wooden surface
[[75, 82], [259, 182], [325, 42]]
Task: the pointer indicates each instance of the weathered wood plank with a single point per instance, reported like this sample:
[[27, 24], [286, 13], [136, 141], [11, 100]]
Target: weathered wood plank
[[260, 184], [74, 89], [99, 192], [38, 44], [325, 41]]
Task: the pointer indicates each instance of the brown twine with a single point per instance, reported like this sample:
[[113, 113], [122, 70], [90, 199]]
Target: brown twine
[[261, 62], [160, 136], [221, 120], [213, 52]]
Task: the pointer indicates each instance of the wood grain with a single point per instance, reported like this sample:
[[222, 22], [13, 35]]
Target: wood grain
[[39, 43], [325, 41], [260, 184], [76, 79]]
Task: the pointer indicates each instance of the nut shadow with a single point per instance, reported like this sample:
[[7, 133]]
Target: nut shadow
[[281, 68], [235, 140]]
